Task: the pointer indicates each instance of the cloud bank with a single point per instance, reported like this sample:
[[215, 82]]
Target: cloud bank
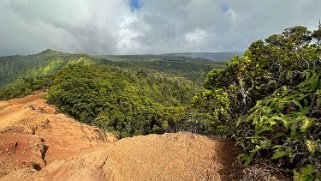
[[146, 26]]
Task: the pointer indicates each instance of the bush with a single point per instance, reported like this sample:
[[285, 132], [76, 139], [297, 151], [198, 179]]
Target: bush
[[24, 87], [272, 101], [285, 128]]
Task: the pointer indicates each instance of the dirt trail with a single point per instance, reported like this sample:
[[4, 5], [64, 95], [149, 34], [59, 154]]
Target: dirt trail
[[38, 143], [12, 110], [180, 156]]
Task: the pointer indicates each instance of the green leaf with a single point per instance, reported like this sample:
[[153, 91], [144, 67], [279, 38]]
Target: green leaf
[[247, 159], [280, 154], [307, 174]]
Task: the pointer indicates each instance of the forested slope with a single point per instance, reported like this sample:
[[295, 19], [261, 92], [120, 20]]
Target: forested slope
[[49, 62], [269, 100], [128, 95], [127, 102], [194, 69], [38, 65]]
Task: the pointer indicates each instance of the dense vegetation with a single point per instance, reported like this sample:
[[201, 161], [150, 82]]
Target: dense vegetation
[[269, 101], [126, 102], [49, 62], [192, 69], [38, 65], [23, 87]]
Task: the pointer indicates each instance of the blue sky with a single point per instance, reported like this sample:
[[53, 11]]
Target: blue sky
[[225, 7], [134, 4]]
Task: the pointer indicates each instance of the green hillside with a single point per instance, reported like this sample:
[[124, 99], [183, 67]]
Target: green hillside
[[124, 101], [127, 102], [192, 69], [127, 95], [49, 62], [32, 66]]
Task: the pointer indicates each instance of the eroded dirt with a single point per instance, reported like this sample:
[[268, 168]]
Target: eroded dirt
[[180, 156], [33, 134]]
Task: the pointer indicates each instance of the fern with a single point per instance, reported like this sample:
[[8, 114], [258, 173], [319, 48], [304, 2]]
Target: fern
[[307, 173]]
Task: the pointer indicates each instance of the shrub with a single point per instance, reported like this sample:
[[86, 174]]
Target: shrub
[[272, 101]]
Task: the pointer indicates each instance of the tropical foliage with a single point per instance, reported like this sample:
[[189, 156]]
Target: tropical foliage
[[127, 102], [271, 98]]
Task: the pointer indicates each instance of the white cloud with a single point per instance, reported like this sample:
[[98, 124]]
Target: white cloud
[[110, 27], [197, 37]]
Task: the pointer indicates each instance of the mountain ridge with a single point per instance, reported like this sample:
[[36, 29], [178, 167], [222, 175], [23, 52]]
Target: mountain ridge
[[214, 56]]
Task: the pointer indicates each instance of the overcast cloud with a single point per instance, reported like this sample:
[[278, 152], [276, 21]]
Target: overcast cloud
[[146, 26]]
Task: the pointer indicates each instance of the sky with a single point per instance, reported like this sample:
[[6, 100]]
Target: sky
[[146, 26]]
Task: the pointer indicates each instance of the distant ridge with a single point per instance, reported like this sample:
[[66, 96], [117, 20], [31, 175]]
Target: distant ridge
[[215, 56], [51, 52]]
